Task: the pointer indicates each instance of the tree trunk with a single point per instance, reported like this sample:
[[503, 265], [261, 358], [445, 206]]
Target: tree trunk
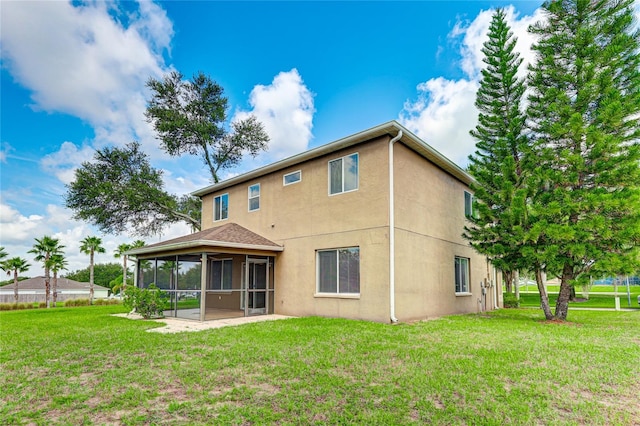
[[562, 304], [47, 289], [544, 297], [572, 297], [516, 283], [15, 284], [55, 288], [508, 280], [91, 278]]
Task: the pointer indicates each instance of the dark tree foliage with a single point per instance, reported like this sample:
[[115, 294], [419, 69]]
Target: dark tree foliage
[[497, 165], [103, 273], [190, 118], [584, 115], [120, 191]]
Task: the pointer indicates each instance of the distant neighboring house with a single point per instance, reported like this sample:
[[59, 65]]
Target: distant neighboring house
[[33, 290], [366, 227]]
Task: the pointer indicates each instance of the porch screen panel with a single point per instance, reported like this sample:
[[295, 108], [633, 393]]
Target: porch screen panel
[[349, 260], [327, 272], [146, 272], [189, 275], [227, 268], [165, 274]]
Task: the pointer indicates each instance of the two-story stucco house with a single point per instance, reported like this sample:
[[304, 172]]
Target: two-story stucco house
[[366, 227]]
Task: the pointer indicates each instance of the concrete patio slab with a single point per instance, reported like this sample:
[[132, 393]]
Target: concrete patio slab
[[178, 325]]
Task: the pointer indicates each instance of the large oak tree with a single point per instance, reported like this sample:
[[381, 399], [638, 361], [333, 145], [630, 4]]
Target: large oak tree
[[120, 191]]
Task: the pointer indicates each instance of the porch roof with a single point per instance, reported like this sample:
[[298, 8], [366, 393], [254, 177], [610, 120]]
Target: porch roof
[[230, 235]]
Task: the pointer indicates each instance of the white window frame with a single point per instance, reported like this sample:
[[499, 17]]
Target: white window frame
[[357, 155], [337, 293], [210, 283], [468, 202], [284, 178], [220, 197], [249, 197], [465, 288]]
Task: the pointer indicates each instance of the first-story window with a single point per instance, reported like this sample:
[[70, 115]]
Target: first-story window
[[254, 197], [462, 274], [221, 207], [220, 275], [339, 271]]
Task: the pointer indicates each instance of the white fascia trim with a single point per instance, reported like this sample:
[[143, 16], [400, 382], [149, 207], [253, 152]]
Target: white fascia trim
[[201, 243]]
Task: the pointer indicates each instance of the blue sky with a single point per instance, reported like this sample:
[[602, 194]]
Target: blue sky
[[73, 79]]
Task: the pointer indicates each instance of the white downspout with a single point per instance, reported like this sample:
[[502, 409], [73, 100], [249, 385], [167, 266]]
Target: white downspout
[[392, 234]]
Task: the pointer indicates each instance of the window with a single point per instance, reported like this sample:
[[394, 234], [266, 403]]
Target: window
[[292, 178], [462, 274], [220, 275], [254, 197], [339, 271], [468, 205], [343, 174], [221, 207]]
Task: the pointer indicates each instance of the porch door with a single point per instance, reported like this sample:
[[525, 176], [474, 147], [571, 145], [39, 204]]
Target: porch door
[[255, 287]]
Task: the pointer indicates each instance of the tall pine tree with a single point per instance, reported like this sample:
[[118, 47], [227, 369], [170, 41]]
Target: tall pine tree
[[584, 115], [496, 227]]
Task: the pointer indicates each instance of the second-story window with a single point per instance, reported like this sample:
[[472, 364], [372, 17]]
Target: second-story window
[[221, 207], [343, 174], [468, 205], [291, 178], [254, 197]]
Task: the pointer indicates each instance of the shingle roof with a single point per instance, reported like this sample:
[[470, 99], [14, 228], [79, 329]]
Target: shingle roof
[[37, 283], [227, 235]]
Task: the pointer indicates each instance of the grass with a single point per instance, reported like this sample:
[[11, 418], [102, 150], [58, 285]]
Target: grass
[[83, 366], [598, 298], [555, 288]]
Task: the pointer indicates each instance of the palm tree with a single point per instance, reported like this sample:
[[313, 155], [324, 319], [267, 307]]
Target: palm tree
[[90, 246], [43, 249], [57, 262], [15, 265], [3, 253], [121, 251]]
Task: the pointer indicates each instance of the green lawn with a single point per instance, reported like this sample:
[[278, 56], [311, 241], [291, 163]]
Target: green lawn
[[83, 366], [596, 299]]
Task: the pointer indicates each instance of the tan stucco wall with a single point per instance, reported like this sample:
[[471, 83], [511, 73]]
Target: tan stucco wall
[[304, 218], [429, 224]]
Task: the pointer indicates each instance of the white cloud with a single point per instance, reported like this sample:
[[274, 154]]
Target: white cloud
[[285, 107], [443, 115], [63, 163], [4, 151], [18, 233], [444, 111], [14, 227], [84, 61]]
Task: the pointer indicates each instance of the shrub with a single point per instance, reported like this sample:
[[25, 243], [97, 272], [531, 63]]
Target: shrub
[[101, 302], [76, 302], [510, 301], [7, 306], [42, 304], [148, 302]]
